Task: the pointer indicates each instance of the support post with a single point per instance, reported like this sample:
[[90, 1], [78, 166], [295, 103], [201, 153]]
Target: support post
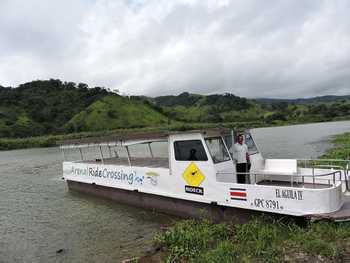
[[103, 161], [232, 143], [169, 157], [116, 152], [81, 154], [110, 151], [63, 155], [128, 153], [150, 149], [255, 178]]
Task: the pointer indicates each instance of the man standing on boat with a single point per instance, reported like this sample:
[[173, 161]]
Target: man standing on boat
[[241, 155]]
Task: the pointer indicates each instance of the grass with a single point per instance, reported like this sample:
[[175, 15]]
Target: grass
[[260, 240], [30, 142], [263, 239], [113, 112], [341, 149]]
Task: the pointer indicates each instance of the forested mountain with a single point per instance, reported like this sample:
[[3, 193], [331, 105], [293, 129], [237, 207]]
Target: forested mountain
[[230, 108], [54, 107], [203, 108], [224, 102], [42, 107]]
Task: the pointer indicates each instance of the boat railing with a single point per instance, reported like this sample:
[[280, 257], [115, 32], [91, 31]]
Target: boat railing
[[327, 163], [109, 150], [331, 180], [333, 164]]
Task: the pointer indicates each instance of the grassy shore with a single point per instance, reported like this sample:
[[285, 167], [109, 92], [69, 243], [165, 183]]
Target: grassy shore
[[260, 240], [263, 239], [341, 149]]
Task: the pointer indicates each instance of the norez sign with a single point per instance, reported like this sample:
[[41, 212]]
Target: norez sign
[[194, 190]]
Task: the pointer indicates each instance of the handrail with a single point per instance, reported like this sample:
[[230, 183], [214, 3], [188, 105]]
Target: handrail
[[334, 160], [341, 164], [292, 176]]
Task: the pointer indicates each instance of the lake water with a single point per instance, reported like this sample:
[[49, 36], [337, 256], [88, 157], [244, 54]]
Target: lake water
[[298, 141], [38, 216]]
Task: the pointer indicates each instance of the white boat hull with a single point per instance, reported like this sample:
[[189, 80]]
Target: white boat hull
[[295, 201]]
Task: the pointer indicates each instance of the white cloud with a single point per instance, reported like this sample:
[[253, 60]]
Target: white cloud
[[250, 48]]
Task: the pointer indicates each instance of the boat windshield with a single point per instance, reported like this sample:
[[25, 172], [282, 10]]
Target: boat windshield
[[248, 140], [251, 144], [217, 149]]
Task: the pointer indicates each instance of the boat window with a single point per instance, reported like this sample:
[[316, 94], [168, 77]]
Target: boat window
[[250, 143], [228, 141], [248, 140], [192, 150], [147, 150], [217, 149]]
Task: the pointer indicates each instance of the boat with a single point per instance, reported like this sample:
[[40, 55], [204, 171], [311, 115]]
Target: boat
[[193, 174]]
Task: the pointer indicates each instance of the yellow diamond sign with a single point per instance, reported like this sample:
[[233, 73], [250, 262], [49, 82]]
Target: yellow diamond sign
[[192, 175]]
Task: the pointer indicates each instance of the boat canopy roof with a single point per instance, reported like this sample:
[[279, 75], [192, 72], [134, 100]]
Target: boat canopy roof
[[127, 138]]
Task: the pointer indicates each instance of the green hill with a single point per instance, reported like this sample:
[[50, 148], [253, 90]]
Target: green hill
[[228, 108], [43, 106], [189, 107], [113, 112], [53, 107]]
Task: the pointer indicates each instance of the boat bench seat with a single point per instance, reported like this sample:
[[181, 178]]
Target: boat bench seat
[[281, 166], [277, 169]]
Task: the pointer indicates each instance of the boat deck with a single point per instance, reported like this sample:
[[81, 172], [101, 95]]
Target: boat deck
[[295, 184], [155, 162]]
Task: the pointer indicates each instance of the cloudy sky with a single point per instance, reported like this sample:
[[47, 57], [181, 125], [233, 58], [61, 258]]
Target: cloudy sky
[[249, 48]]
